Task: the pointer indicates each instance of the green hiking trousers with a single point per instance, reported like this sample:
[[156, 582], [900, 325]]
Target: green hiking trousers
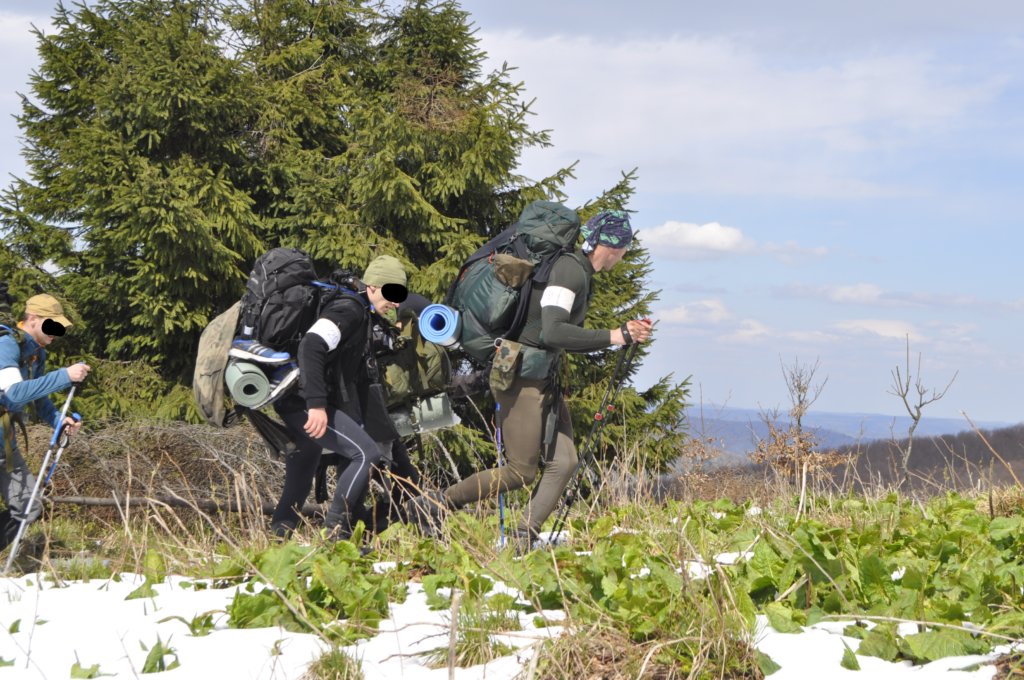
[[523, 411]]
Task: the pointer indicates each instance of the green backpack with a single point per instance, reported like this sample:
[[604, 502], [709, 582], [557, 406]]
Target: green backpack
[[492, 290], [417, 369]]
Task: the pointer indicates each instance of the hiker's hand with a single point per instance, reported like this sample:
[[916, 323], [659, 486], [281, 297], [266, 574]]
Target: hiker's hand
[[639, 330], [78, 372], [316, 423], [72, 426]]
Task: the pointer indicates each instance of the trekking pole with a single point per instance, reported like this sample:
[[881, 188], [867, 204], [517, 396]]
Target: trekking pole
[[501, 461], [59, 433], [605, 409]]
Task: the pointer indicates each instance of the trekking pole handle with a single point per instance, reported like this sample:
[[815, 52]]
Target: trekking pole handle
[[63, 414]]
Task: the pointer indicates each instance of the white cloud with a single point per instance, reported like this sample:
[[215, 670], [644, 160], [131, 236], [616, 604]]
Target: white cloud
[[688, 241], [714, 114], [884, 328], [872, 294], [791, 252], [748, 331], [858, 293], [698, 313]]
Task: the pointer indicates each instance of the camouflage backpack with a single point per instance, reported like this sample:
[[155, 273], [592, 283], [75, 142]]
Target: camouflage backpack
[[416, 369]]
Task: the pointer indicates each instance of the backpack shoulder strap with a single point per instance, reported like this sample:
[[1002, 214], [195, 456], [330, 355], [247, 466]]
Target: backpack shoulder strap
[[14, 331], [506, 238]]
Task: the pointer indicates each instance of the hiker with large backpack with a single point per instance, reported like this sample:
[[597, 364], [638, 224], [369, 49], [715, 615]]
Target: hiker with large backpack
[[532, 415], [340, 405], [25, 381]]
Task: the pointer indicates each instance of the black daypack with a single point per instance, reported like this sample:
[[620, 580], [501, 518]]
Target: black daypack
[[492, 290], [282, 299]]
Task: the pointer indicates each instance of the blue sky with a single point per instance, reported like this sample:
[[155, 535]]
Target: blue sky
[[816, 182]]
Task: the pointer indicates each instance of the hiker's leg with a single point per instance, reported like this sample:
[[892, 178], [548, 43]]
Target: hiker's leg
[[405, 478], [347, 438], [299, 470], [561, 464], [16, 484], [521, 411]]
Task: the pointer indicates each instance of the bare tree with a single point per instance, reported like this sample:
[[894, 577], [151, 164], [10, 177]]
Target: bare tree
[[915, 396], [790, 451], [802, 390]]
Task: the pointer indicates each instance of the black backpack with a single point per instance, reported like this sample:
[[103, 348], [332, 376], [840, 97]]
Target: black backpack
[[492, 290], [283, 298]]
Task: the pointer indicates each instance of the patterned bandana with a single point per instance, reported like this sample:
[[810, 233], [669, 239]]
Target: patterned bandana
[[608, 228]]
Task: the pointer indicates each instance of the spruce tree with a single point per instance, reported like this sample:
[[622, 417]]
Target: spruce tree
[[133, 154], [169, 142]]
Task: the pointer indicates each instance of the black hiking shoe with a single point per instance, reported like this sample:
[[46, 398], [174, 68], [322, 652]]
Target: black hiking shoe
[[428, 512], [523, 541]]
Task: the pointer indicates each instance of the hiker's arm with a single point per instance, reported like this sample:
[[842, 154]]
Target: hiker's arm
[[316, 344], [561, 296], [25, 391], [322, 338], [557, 333]]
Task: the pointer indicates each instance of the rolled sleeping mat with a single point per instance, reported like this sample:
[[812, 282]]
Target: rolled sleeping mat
[[247, 383], [441, 325], [425, 415]]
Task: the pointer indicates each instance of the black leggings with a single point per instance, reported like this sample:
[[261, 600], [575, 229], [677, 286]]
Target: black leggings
[[345, 437]]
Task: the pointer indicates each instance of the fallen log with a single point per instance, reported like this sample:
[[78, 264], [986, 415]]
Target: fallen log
[[206, 505]]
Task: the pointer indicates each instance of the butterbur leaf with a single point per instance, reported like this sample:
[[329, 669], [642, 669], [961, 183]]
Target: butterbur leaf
[[849, 661], [781, 618], [746, 607], [766, 663], [145, 590], [93, 671], [1002, 528], [855, 631], [154, 566], [431, 582], [763, 588], [937, 644], [278, 564], [879, 642]]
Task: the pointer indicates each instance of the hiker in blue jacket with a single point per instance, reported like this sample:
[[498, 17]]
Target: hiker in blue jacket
[[24, 380]]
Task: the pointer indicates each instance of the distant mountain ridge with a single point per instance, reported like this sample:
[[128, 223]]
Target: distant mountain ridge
[[736, 430]]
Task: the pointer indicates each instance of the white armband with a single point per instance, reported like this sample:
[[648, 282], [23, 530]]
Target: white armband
[[557, 296], [328, 331], [9, 376]]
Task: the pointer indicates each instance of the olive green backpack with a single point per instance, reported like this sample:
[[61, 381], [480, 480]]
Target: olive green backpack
[[417, 369]]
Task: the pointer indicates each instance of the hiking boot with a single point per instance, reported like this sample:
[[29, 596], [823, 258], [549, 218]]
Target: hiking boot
[[281, 378], [523, 541], [242, 348], [428, 512], [337, 527]]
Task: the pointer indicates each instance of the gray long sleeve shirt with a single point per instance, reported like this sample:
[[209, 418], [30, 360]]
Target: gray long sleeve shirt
[[558, 309]]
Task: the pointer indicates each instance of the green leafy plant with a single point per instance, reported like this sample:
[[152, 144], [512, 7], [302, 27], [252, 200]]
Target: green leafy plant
[[156, 659], [146, 590], [200, 625], [93, 671], [302, 586], [335, 664]]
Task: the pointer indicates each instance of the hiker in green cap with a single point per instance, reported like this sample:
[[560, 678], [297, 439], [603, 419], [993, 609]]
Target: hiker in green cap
[[532, 414], [24, 380], [339, 407]]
